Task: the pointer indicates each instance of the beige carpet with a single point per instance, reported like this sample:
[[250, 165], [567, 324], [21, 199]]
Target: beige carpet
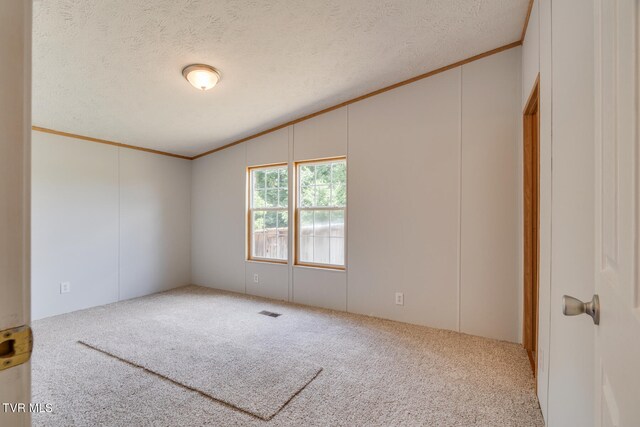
[[374, 372], [250, 379]]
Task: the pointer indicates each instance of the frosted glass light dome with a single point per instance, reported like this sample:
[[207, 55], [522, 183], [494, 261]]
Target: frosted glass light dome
[[202, 77]]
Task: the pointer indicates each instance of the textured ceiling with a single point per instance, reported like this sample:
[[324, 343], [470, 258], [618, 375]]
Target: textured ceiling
[[111, 69]]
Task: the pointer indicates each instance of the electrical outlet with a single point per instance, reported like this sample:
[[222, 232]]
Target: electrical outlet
[[399, 298], [256, 278], [65, 287]]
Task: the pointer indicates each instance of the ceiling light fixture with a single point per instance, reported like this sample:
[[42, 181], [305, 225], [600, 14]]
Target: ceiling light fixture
[[201, 76]]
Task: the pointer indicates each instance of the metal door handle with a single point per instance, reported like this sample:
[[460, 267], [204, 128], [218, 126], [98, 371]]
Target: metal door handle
[[573, 306]]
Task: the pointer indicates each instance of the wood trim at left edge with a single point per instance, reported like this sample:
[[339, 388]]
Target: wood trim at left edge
[[531, 223], [104, 141], [526, 21]]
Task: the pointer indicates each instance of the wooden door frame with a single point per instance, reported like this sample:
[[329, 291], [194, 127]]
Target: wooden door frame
[[15, 162], [531, 222]]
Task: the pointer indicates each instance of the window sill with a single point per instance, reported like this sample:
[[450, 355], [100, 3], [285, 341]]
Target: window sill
[[319, 267], [266, 261]]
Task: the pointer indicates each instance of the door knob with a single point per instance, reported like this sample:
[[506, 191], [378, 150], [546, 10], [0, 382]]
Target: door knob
[[573, 306]]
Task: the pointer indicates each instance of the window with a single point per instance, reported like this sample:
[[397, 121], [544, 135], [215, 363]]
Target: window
[[321, 207], [269, 213]]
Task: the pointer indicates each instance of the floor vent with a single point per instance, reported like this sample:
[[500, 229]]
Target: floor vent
[[270, 313]]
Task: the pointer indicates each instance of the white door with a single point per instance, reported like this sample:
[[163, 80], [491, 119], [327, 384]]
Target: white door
[[617, 355], [15, 124], [594, 370]]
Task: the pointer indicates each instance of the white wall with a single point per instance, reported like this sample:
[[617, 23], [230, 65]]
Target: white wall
[[155, 223], [112, 221], [404, 202], [439, 223], [74, 224], [490, 287], [218, 219]]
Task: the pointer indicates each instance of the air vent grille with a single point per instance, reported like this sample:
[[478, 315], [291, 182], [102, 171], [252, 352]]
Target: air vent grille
[[270, 313]]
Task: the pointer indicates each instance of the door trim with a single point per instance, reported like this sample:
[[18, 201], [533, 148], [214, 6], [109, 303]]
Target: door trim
[[531, 223]]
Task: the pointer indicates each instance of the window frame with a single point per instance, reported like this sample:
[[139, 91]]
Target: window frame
[[297, 209], [251, 209]]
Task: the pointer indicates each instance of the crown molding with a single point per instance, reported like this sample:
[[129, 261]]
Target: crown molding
[[368, 95], [303, 118], [104, 141], [526, 21]]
